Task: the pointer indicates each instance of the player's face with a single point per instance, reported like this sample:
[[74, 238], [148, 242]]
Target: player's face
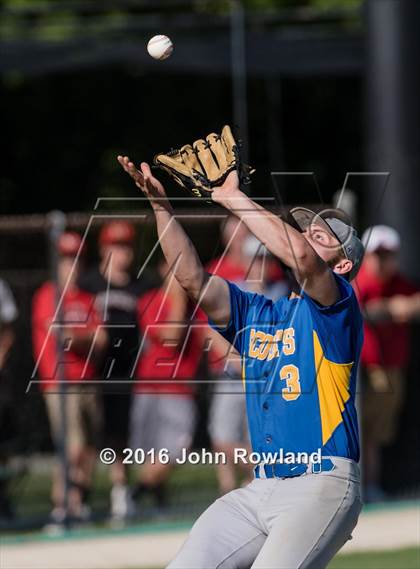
[[325, 244], [383, 263], [122, 256], [68, 272]]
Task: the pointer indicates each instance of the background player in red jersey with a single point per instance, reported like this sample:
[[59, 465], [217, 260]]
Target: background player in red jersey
[[163, 409], [117, 291], [227, 415], [77, 324], [390, 301]]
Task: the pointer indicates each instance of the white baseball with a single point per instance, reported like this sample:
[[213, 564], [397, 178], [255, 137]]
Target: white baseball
[[160, 47]]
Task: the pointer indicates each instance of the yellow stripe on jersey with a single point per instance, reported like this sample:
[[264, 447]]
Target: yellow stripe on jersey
[[333, 389], [243, 373]]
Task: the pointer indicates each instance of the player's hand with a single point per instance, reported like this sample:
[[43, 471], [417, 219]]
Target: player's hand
[[143, 178], [228, 190], [378, 379], [399, 307]]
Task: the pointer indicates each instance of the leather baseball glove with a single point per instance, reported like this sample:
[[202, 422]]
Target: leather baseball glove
[[205, 164]]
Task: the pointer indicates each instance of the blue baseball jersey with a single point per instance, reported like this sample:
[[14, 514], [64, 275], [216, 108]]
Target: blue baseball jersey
[[300, 364]]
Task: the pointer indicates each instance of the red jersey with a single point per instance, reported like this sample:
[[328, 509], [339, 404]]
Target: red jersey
[[227, 269], [386, 343], [77, 308], [158, 361], [236, 273]]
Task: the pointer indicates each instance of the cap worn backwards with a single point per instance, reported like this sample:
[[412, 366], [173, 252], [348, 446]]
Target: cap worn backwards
[[336, 222]]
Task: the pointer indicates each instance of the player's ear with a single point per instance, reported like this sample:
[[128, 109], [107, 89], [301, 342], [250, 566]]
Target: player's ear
[[343, 266]]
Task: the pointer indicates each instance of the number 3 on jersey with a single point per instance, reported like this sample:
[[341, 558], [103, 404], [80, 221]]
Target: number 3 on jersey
[[290, 374]]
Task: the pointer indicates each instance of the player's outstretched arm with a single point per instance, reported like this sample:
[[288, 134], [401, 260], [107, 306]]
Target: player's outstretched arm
[[210, 291], [282, 240]]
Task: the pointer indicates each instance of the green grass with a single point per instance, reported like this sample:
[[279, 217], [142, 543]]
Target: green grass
[[396, 559], [188, 485], [191, 487]]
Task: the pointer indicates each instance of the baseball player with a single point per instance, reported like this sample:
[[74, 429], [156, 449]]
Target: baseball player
[[117, 292], [163, 408], [227, 426], [79, 326], [390, 301], [300, 358]]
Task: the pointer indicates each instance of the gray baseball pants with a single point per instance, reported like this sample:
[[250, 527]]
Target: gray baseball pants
[[277, 523]]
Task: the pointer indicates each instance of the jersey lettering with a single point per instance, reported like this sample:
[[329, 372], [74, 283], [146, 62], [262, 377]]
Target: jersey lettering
[[263, 346]]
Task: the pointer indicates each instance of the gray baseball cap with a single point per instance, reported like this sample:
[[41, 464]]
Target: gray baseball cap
[[338, 224]]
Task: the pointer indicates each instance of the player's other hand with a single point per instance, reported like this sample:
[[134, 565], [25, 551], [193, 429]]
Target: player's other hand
[[143, 178], [229, 189], [378, 379], [400, 308]]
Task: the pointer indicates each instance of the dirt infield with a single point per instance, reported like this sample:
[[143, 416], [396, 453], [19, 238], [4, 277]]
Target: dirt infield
[[381, 528]]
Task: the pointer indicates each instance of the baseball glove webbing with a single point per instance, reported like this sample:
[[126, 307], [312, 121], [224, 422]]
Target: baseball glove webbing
[[205, 164]]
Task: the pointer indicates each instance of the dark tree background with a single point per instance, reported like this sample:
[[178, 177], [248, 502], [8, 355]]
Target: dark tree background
[[61, 132]]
